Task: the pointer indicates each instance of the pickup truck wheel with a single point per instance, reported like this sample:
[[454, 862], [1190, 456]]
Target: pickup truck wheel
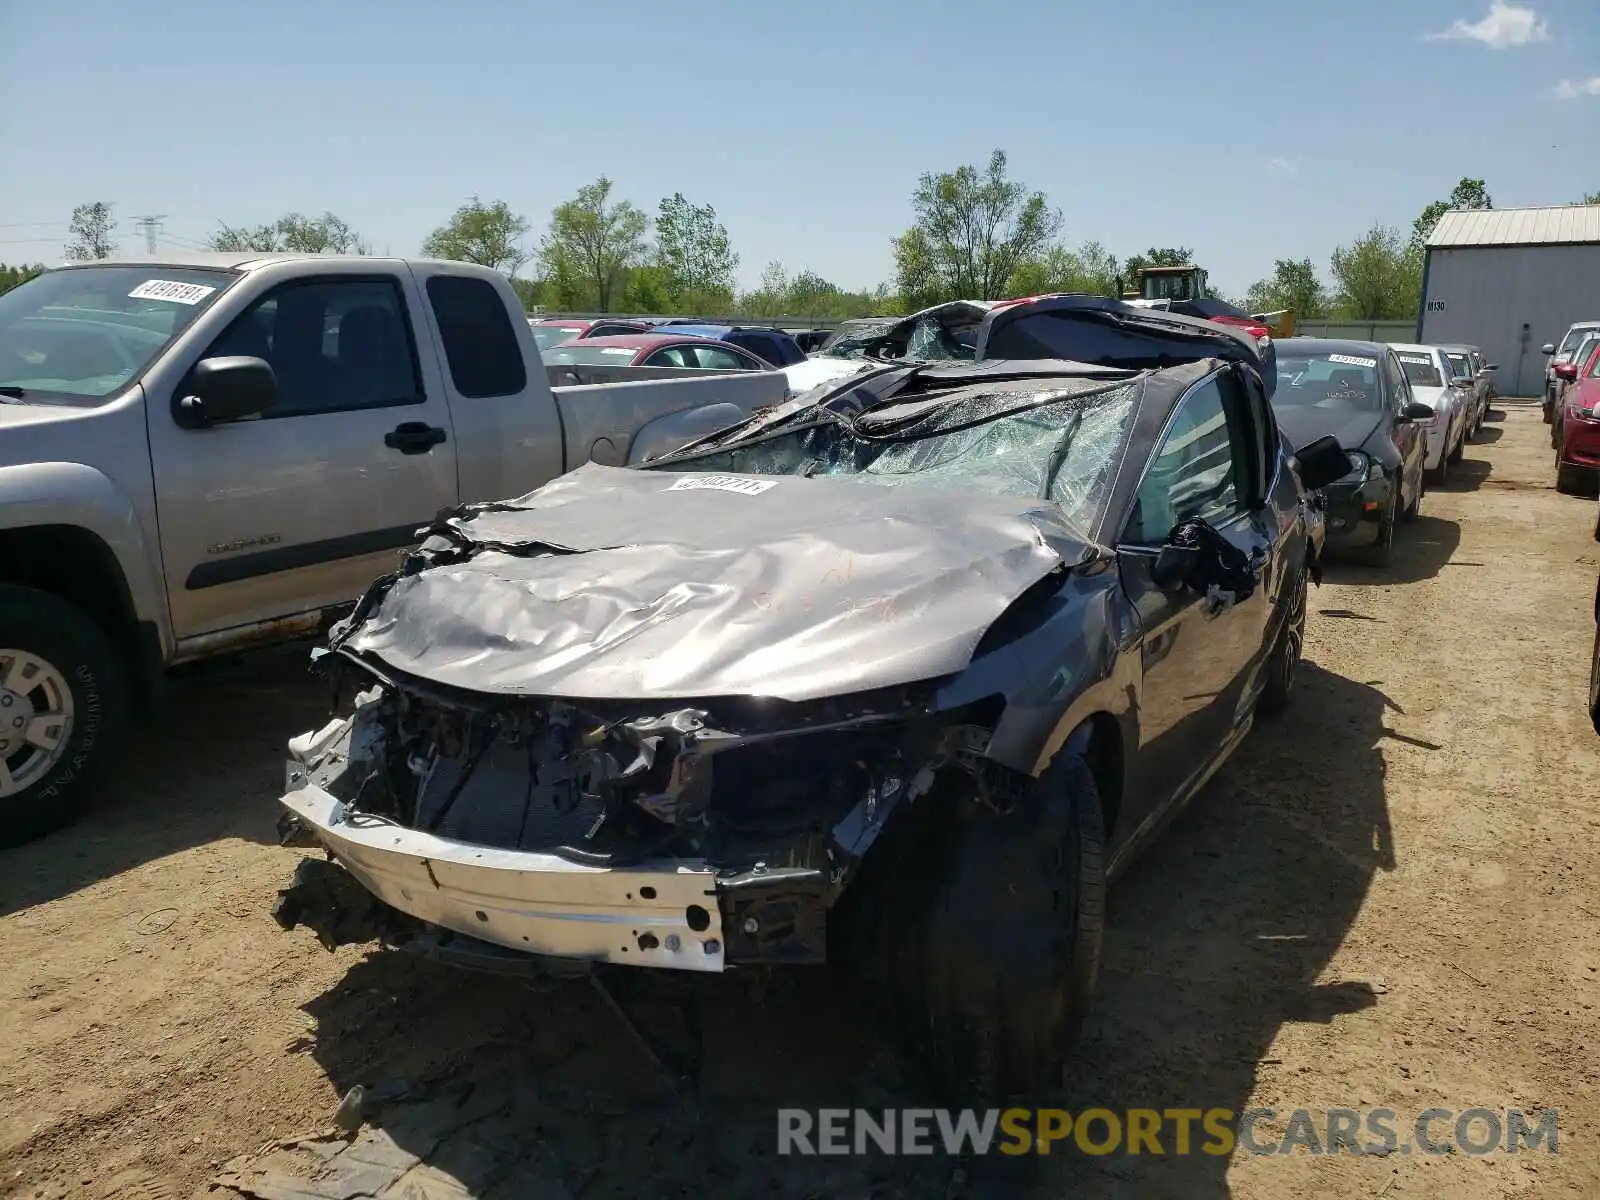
[[63, 703], [1010, 946]]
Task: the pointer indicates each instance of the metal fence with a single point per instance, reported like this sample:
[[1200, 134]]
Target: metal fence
[[744, 319], [1360, 331]]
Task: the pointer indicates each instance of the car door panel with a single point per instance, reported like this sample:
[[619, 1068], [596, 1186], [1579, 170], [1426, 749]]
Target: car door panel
[[1197, 647], [301, 508]]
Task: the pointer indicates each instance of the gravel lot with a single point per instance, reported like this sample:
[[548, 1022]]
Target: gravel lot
[[1391, 897]]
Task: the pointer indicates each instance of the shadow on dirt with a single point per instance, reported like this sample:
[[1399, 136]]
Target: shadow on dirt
[[1214, 943], [1465, 476], [208, 765], [1422, 548]]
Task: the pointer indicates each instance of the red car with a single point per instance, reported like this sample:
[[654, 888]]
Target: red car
[[652, 350], [1578, 431]]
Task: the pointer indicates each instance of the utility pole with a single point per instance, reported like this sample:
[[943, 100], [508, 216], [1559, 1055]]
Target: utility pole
[[149, 226]]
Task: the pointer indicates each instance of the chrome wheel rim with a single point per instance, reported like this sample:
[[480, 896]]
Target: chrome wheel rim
[[35, 719], [1294, 634]]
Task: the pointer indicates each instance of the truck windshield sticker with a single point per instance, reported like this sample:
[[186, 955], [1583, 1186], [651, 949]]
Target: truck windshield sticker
[[722, 483], [1353, 360], [167, 289]]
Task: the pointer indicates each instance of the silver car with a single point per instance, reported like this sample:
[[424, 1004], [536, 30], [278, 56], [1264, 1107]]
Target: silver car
[[1469, 372]]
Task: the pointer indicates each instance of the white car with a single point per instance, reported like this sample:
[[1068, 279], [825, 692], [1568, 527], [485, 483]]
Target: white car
[[1428, 369]]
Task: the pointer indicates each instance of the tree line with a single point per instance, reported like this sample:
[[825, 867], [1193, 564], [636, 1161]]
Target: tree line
[[976, 233]]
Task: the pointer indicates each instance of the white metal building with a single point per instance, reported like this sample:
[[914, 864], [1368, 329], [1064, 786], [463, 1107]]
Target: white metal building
[[1509, 280]]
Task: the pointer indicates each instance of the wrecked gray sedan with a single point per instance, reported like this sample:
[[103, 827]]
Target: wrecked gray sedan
[[899, 678]]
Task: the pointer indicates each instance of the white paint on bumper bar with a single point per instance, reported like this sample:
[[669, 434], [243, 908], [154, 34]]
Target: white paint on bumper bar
[[661, 914]]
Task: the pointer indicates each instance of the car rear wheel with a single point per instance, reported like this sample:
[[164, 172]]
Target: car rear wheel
[[1285, 661], [63, 703]]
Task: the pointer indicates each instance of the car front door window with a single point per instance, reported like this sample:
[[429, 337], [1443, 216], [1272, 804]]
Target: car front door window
[[1195, 471]]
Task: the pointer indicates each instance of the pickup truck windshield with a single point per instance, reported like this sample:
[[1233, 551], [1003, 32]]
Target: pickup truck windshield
[[1348, 381], [87, 332], [1052, 440]]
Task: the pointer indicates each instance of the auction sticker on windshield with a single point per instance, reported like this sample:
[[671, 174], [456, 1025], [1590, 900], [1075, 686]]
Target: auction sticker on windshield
[[1353, 360], [168, 289], [722, 483], [1417, 358]]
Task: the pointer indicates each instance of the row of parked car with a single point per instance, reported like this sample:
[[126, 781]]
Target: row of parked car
[[1571, 395]]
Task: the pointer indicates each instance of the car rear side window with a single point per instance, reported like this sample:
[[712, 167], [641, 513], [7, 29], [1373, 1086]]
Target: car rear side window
[[717, 359], [480, 343], [1195, 471]]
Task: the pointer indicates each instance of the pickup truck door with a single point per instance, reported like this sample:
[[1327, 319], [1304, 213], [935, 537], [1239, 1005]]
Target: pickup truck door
[[1196, 651], [301, 508]]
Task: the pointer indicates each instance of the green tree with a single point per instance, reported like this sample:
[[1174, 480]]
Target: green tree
[[295, 233], [1467, 194], [1090, 268], [11, 277], [599, 238], [1379, 276], [487, 234], [94, 232], [1591, 198], [692, 249], [1294, 285], [972, 231]]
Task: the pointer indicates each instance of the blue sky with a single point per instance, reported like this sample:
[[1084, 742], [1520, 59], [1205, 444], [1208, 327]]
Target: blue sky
[[1248, 131]]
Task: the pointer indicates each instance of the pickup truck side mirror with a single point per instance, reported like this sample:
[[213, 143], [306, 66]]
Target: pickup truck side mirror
[[1547, 348], [1417, 411], [225, 388], [1321, 462], [1175, 566]]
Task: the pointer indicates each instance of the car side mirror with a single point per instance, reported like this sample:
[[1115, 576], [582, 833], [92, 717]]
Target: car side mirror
[[1491, 366], [1175, 566], [1417, 411], [1547, 348], [1321, 462], [1567, 371], [225, 388]]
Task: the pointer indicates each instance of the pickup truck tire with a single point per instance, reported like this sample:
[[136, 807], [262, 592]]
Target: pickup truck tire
[[54, 659]]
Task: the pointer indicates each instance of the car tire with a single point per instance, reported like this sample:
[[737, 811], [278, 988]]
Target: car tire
[[1285, 661], [984, 929], [1441, 473], [1381, 552], [1594, 681], [69, 667], [1413, 510], [1571, 480], [1011, 950], [1460, 449]]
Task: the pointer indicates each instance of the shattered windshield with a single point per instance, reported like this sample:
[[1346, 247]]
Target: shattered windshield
[[1048, 438], [87, 332]]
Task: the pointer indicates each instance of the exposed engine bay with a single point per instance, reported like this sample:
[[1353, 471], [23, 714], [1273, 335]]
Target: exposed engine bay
[[770, 813]]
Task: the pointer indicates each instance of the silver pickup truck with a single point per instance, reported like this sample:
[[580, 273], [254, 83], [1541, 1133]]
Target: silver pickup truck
[[199, 454]]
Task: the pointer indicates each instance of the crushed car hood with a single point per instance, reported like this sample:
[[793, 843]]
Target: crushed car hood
[[617, 583]]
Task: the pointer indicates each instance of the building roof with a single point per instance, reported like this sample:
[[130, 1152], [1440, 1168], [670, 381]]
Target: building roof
[[1556, 225]]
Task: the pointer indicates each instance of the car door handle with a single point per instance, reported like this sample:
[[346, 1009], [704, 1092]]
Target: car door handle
[[414, 437]]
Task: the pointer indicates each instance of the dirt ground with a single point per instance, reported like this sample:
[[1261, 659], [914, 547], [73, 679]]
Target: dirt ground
[[1389, 897]]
